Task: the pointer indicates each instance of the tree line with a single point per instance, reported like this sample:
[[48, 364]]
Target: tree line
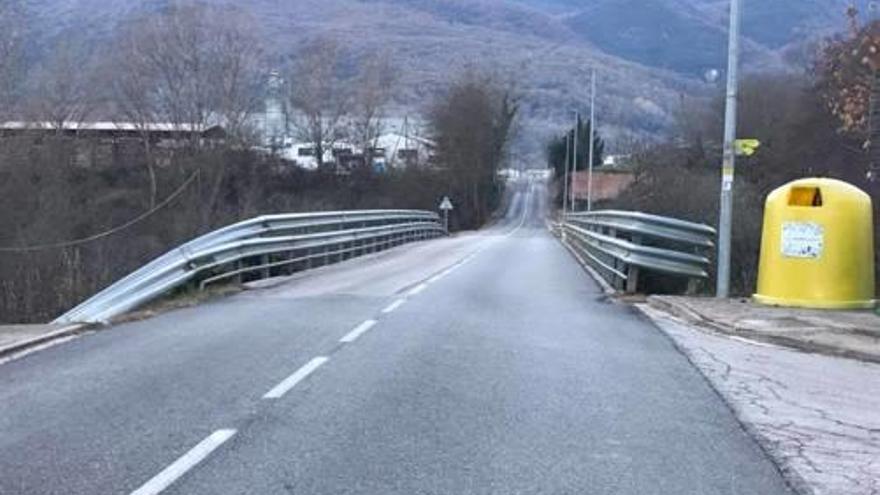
[[571, 152], [78, 212]]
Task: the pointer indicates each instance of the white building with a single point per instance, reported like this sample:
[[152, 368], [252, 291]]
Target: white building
[[403, 150], [305, 155], [400, 146], [390, 151]]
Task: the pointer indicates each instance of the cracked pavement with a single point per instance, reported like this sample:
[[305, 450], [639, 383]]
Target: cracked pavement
[[817, 416]]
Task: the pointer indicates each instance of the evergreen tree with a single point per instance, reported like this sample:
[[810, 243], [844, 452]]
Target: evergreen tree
[[556, 152]]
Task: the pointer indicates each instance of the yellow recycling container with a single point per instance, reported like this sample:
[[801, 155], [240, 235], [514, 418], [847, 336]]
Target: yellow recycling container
[[817, 248]]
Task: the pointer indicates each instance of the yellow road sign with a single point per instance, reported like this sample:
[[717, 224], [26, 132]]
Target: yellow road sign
[[747, 147]]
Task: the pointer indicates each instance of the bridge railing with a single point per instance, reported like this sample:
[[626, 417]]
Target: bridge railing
[[259, 246], [620, 245]]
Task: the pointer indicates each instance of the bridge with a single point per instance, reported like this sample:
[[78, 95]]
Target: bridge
[[486, 362]]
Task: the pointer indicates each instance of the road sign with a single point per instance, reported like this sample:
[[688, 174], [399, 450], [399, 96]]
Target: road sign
[[747, 147], [446, 205]]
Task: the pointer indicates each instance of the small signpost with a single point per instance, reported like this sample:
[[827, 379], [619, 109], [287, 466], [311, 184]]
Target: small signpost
[[446, 205]]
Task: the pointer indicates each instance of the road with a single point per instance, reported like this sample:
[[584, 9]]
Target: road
[[484, 363]]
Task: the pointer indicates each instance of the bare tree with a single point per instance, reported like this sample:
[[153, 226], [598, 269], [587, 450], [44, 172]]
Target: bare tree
[[133, 87], [236, 72], [372, 91], [472, 127], [61, 87], [11, 34], [173, 48], [319, 96], [192, 66]]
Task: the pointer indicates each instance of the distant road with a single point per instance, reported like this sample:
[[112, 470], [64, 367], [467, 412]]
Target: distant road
[[487, 363]]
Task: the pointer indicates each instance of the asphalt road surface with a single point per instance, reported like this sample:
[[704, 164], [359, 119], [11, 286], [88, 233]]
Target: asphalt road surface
[[484, 363]]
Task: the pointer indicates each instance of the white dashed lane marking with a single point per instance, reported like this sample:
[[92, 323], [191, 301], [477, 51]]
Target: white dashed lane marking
[[298, 376], [417, 290], [188, 461], [358, 331], [396, 304]]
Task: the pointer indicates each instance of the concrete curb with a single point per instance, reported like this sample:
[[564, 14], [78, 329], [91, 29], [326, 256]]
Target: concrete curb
[[27, 344], [684, 312]]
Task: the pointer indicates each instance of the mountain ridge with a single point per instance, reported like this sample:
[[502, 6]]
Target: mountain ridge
[[545, 48]]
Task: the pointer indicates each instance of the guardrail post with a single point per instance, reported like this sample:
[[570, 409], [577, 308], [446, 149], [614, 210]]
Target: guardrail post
[[287, 268], [265, 272], [632, 279], [618, 283], [237, 279], [636, 239]]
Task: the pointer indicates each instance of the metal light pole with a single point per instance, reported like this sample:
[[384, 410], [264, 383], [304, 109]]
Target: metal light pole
[[729, 160], [565, 180], [592, 139], [574, 162]]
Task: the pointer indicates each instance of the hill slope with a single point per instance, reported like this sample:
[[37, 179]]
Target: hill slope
[[649, 51]]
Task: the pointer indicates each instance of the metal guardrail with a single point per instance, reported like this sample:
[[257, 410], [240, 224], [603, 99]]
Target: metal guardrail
[[620, 244], [259, 245]]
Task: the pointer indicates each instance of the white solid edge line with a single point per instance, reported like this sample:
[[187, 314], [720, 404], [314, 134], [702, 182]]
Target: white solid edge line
[[396, 304], [298, 376], [358, 331], [186, 462], [417, 290]]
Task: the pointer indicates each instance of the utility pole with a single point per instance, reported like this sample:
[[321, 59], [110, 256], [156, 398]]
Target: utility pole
[[729, 161], [574, 164], [565, 181], [592, 139]]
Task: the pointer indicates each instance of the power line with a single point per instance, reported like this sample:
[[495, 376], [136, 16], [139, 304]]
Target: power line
[[109, 232]]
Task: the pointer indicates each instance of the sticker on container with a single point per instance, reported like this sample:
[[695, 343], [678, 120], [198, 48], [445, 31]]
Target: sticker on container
[[727, 183], [802, 240]]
